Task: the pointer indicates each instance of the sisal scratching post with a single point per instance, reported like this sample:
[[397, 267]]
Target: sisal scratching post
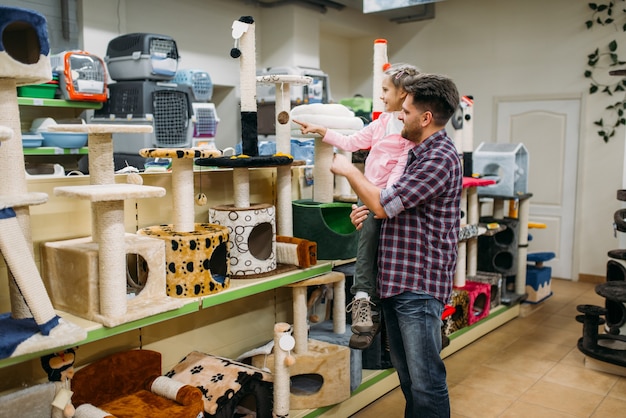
[[110, 230], [282, 341], [101, 164], [300, 312], [244, 28], [473, 212], [283, 85], [284, 211], [183, 194], [241, 183], [323, 187], [18, 256]]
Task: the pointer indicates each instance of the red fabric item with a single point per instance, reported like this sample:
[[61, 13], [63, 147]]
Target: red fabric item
[[474, 182]]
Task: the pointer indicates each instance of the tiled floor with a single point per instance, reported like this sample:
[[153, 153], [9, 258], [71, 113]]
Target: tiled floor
[[529, 367]]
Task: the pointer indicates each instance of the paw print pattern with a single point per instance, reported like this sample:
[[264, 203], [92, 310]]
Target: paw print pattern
[[217, 377], [196, 369]]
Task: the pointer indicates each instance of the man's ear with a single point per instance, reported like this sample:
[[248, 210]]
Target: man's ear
[[426, 118]]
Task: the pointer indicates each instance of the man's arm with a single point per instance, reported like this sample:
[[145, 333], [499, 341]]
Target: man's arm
[[367, 192]]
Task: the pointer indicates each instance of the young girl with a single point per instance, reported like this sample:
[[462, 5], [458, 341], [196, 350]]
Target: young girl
[[383, 166]]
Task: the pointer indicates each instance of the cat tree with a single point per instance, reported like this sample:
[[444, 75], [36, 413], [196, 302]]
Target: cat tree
[[196, 253], [251, 227], [88, 276], [32, 325]]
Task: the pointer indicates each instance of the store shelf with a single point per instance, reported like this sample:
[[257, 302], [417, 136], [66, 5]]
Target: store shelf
[[33, 101], [239, 288], [56, 151]]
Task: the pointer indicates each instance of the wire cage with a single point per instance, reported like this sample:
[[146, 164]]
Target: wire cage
[[142, 56], [205, 120], [166, 105], [198, 81]]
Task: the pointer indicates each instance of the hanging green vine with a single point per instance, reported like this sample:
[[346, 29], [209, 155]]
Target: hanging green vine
[[605, 60]]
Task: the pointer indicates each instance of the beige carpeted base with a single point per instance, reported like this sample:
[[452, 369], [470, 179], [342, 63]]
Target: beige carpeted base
[[329, 361], [65, 333], [71, 278]]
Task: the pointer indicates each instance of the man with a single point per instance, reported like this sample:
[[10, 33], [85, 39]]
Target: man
[[418, 243]]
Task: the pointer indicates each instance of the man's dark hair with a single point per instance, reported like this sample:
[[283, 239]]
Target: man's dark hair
[[435, 93]]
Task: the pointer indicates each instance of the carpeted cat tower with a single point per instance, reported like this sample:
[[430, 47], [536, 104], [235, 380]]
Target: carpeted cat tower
[[251, 226], [197, 255], [320, 371], [89, 276], [32, 325]]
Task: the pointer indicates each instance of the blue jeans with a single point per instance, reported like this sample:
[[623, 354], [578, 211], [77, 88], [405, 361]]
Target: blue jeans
[[413, 322], [366, 265]]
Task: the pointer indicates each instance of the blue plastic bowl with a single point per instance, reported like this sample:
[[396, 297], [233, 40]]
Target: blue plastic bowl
[[64, 139]]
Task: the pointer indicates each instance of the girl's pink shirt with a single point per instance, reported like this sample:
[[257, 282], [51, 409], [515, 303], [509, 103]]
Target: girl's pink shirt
[[388, 151]]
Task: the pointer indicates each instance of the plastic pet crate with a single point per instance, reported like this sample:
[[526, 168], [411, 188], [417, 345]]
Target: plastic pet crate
[[205, 120], [82, 76], [142, 56], [164, 105], [198, 81]]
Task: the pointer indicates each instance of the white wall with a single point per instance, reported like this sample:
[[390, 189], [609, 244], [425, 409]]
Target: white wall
[[491, 48]]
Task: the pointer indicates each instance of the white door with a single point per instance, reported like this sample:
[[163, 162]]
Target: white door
[[549, 129]]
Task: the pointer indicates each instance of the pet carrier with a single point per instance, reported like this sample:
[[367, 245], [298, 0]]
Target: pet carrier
[[199, 83], [205, 120], [166, 106], [82, 76], [142, 56]]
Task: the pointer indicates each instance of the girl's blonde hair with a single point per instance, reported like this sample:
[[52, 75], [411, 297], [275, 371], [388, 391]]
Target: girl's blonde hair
[[397, 72]]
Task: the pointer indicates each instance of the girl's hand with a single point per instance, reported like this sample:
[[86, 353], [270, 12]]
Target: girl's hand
[[309, 128], [358, 215]]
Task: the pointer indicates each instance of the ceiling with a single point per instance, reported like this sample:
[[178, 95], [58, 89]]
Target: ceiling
[[424, 10]]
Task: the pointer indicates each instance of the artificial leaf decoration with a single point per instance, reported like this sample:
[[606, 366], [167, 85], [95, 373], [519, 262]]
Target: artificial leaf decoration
[[601, 61]]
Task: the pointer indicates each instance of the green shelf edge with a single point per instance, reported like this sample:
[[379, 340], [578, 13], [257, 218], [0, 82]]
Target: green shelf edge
[[193, 306], [382, 374], [263, 286], [501, 309], [56, 151], [104, 332], [34, 101]]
